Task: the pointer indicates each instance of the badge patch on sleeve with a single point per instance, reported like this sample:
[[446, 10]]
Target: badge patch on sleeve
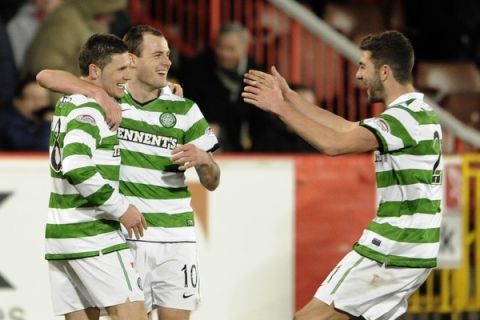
[[382, 125], [85, 118], [209, 132]]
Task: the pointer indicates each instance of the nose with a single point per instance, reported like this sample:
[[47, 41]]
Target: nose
[[358, 75], [166, 61]]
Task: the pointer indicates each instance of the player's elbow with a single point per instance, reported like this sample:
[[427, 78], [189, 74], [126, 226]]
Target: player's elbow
[[43, 78]]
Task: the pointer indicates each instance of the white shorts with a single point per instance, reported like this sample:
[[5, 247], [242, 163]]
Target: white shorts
[[169, 272], [364, 287], [102, 281]]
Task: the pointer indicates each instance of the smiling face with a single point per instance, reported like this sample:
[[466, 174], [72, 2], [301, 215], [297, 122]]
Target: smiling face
[[370, 77], [115, 75], [154, 61]]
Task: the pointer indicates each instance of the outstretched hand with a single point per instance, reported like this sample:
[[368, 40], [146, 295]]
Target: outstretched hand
[[264, 90]]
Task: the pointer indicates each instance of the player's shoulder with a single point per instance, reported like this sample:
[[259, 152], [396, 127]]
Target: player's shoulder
[[81, 103]]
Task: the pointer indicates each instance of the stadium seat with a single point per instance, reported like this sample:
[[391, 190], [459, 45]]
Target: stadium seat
[[443, 78], [464, 106]]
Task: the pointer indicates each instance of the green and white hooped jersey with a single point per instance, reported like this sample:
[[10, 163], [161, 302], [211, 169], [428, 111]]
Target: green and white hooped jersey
[[85, 204], [406, 230], [148, 134]]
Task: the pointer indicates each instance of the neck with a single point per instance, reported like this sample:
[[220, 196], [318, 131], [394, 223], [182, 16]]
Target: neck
[[396, 90], [142, 92]]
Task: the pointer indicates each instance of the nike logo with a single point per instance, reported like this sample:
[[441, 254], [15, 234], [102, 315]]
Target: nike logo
[[185, 296]]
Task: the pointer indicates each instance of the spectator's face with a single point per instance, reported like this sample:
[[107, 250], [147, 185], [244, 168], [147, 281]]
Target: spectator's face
[[154, 62], [370, 77], [33, 98], [229, 50], [115, 75]]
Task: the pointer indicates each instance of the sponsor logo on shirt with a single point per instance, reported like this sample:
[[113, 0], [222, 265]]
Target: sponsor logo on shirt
[[148, 139], [382, 125]]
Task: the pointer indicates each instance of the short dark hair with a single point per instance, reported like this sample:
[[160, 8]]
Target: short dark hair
[[98, 50], [21, 84], [134, 37], [394, 49]]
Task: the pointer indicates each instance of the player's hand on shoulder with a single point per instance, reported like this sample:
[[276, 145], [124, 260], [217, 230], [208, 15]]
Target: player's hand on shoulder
[[188, 155], [176, 89], [113, 111], [134, 222]]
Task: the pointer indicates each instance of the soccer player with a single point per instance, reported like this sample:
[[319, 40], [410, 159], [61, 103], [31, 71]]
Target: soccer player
[[399, 248], [161, 135], [90, 265]]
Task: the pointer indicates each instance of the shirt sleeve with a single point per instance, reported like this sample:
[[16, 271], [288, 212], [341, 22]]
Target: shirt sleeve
[[199, 132], [82, 137], [395, 129]]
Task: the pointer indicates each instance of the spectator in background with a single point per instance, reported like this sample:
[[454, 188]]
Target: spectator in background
[[270, 134], [24, 25], [214, 79], [25, 126], [62, 34], [8, 71]]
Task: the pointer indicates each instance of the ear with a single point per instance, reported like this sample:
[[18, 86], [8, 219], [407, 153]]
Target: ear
[[93, 71], [385, 72], [133, 60]]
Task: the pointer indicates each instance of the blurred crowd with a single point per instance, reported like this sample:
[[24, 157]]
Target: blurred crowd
[[39, 34]]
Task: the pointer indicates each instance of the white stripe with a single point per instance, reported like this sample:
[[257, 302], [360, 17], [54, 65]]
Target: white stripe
[[76, 161], [80, 136], [105, 157], [390, 247], [205, 142], [410, 192], [152, 177], [407, 121], [407, 161], [91, 185], [72, 215], [426, 132], [417, 220], [169, 234], [62, 186], [99, 119], [170, 206], [75, 245], [147, 149]]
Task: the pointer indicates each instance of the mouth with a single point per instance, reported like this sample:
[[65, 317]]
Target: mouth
[[121, 85], [162, 73]]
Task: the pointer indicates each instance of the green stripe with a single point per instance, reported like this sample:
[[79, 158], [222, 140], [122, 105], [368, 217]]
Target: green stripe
[[392, 260], [423, 148], [76, 148], [403, 177], [422, 117], [173, 106], [407, 235], [68, 201], [64, 108], [125, 274], [345, 275], [82, 229], [152, 129], [109, 142], [146, 191], [87, 254], [399, 208], [196, 130], [109, 172], [398, 130], [164, 220], [80, 175], [142, 160]]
